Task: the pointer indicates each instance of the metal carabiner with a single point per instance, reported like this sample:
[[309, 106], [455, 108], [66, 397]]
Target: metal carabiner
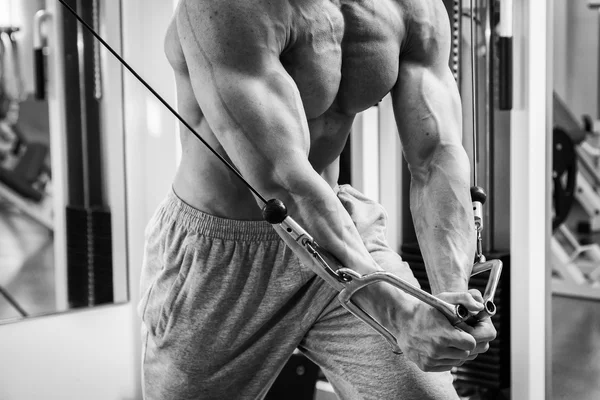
[[300, 236]]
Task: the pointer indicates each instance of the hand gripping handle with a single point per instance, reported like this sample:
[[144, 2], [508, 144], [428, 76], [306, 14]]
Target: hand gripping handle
[[454, 313], [348, 281]]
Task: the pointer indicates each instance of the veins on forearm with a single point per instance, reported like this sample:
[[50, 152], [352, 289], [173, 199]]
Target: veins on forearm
[[443, 221]]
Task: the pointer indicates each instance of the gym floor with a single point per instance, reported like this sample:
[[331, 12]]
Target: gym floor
[[575, 349], [576, 336]]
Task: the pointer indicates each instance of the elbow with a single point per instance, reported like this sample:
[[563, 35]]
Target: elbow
[[448, 159], [286, 180]]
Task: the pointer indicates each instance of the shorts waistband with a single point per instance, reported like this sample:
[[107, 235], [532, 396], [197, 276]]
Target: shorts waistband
[[212, 226]]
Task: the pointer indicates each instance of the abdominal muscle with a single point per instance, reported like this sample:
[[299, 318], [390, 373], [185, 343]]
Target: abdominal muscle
[[205, 183]]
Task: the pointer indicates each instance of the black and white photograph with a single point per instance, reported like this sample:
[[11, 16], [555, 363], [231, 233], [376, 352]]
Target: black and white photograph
[[299, 200]]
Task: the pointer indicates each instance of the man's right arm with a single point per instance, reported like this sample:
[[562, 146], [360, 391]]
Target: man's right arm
[[254, 108]]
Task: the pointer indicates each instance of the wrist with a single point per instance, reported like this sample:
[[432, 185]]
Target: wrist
[[386, 304], [451, 277], [450, 285]]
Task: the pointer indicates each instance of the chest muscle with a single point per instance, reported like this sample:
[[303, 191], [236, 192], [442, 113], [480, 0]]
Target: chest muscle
[[346, 53]]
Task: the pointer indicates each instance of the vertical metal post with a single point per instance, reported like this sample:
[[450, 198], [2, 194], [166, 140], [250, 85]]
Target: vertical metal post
[[488, 125], [530, 127], [595, 5]]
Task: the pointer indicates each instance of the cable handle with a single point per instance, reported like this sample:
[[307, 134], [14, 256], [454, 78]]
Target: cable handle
[[39, 56], [478, 198]]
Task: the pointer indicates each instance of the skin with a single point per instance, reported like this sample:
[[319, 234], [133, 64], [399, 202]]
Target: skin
[[274, 86]]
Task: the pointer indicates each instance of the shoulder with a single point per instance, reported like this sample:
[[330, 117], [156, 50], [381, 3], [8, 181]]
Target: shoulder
[[427, 29], [227, 22], [245, 35], [243, 9]]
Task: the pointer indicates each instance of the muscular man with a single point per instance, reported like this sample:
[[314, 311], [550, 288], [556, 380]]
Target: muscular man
[[274, 86]]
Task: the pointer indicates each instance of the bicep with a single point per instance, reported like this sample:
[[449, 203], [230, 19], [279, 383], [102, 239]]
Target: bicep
[[428, 112], [426, 99]]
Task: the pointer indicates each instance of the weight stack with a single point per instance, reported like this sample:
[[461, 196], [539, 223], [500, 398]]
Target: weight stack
[[89, 256], [489, 371]]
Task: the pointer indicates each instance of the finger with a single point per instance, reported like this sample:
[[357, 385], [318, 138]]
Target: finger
[[482, 315], [462, 341], [440, 367], [449, 362], [451, 353], [476, 295], [481, 348], [464, 298], [482, 331]]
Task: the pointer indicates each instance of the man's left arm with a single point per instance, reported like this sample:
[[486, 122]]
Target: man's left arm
[[428, 115]]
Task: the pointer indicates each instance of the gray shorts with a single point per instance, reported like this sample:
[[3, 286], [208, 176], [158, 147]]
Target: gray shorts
[[225, 303]]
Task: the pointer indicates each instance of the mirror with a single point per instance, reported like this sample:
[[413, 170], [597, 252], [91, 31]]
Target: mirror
[[62, 193]]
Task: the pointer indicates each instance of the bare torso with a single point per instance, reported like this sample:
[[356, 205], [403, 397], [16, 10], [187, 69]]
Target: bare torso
[[343, 57]]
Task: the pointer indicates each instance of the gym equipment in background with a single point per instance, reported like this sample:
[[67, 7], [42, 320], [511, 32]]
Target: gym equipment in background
[[588, 178], [576, 201], [576, 181], [575, 267], [24, 171], [575, 166], [25, 184], [564, 174], [88, 217], [297, 380]]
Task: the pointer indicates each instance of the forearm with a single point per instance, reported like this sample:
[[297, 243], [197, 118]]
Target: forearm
[[443, 218], [315, 206]]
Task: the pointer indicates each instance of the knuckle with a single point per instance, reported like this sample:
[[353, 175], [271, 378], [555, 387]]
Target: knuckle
[[489, 337], [472, 345], [430, 353]]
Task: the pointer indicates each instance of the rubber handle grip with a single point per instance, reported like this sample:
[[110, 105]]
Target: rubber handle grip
[[505, 84], [40, 73]]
